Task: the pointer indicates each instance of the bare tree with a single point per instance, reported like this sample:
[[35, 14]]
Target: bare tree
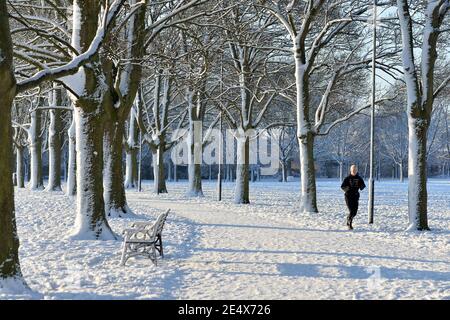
[[9, 88], [55, 137], [313, 28], [421, 93], [156, 119], [247, 89], [131, 150]]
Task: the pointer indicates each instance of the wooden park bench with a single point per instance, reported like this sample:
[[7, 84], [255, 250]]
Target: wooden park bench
[[144, 239]]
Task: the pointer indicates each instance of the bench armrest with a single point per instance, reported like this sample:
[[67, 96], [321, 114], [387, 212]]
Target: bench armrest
[[136, 233], [141, 224]]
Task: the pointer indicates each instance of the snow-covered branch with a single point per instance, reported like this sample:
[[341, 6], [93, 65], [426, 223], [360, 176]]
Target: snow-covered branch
[[72, 66]]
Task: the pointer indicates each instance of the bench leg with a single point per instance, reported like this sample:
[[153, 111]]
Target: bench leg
[[124, 259], [159, 246], [152, 255]]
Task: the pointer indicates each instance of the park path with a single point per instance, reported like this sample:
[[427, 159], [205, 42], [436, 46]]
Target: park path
[[241, 256]]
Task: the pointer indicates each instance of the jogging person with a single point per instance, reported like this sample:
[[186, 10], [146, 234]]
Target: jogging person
[[351, 186]]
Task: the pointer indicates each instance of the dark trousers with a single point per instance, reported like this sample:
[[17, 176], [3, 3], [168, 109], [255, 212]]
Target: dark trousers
[[351, 199]]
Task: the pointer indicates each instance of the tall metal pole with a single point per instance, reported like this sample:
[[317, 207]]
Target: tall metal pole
[[219, 175], [372, 117], [140, 163]]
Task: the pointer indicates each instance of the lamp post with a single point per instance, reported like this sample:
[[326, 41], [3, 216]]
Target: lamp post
[[139, 186], [372, 117], [219, 175]]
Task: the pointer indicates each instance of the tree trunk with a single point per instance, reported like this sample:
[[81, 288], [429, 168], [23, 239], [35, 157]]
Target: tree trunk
[[417, 174], [131, 172], [241, 192], [131, 169], [64, 165], [54, 145], [289, 168], [400, 170], [308, 202], [114, 189], [91, 221], [194, 161], [195, 180], [195, 146], [308, 199], [283, 172], [169, 171], [71, 167], [230, 173], [89, 112], [158, 170], [19, 167], [35, 145], [9, 240]]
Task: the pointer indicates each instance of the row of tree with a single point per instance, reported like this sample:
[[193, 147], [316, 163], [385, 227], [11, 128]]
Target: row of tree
[[52, 147], [108, 71]]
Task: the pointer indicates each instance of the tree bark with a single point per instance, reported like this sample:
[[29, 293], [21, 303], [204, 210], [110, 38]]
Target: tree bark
[[71, 167], [169, 170], [35, 145], [131, 172], [417, 175], [400, 170], [289, 167], [195, 146], [89, 111], [9, 240], [241, 193], [308, 196], [229, 172], [195, 180], [114, 189], [19, 167], [194, 167], [308, 174], [54, 145], [158, 170], [91, 221]]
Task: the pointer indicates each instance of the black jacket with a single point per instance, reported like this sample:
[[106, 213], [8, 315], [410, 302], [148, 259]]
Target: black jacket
[[352, 184]]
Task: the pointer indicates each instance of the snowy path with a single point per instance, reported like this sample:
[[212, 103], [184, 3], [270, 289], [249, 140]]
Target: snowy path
[[260, 251], [247, 257]]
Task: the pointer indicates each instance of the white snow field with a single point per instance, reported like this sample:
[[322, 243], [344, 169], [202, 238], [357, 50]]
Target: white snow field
[[264, 250]]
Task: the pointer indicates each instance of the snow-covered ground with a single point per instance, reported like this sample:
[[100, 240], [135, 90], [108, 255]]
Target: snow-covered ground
[[265, 250]]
